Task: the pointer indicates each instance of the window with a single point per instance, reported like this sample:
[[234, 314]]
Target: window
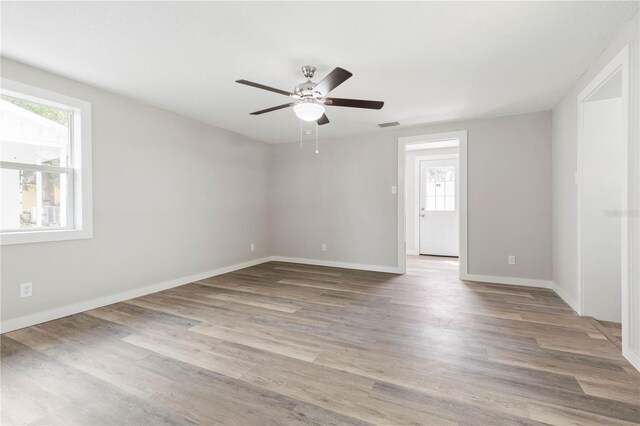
[[441, 189], [45, 148]]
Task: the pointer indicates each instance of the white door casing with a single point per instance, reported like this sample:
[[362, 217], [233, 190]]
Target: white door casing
[[629, 291], [403, 144]]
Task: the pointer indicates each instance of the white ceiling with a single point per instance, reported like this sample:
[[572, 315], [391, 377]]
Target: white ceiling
[[430, 61]]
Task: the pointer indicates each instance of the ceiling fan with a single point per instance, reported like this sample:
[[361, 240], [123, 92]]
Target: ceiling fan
[[311, 97]]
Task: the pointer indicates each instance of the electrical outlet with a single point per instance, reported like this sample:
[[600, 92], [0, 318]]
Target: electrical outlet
[[253, 246], [26, 289], [512, 260], [324, 247], [394, 189]]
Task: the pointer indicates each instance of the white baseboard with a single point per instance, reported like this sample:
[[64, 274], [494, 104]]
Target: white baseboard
[[632, 357], [627, 352], [319, 262], [528, 282], [40, 317], [413, 252], [568, 300]]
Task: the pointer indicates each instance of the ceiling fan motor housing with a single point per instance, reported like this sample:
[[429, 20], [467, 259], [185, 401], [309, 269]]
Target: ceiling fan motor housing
[[306, 90]]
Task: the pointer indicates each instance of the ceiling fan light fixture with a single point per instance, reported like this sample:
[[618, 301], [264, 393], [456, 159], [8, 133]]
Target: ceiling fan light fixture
[[311, 98], [308, 110]]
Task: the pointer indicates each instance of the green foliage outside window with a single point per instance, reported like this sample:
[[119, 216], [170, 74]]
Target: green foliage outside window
[[54, 114]]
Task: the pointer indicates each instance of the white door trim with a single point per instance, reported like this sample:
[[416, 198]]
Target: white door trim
[[421, 139], [619, 63]]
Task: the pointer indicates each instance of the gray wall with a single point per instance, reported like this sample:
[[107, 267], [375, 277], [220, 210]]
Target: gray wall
[[565, 119], [172, 197], [342, 197]]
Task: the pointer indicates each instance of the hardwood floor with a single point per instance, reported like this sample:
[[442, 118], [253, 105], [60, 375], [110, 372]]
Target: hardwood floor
[[611, 330], [281, 343]]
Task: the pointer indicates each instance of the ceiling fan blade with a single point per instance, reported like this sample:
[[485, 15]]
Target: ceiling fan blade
[[263, 87], [333, 80], [275, 108], [323, 120], [354, 103]]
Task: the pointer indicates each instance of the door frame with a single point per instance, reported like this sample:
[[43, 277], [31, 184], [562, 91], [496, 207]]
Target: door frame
[[619, 63], [403, 142], [417, 181]]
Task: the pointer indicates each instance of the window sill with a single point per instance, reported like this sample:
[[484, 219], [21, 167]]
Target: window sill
[[26, 237]]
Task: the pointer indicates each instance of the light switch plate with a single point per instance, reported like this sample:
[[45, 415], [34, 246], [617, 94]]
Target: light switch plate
[[394, 189]]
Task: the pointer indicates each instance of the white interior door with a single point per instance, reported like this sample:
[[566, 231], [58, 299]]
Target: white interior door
[[438, 214]]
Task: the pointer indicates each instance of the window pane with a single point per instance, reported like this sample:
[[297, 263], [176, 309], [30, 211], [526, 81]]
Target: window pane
[[53, 191], [431, 203], [439, 189], [450, 174], [18, 199], [439, 203], [431, 188], [450, 204], [32, 200], [33, 133], [450, 189]]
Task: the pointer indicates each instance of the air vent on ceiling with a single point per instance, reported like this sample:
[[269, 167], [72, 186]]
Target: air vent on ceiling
[[389, 124]]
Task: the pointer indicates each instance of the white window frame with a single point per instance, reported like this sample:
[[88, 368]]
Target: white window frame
[[80, 214]]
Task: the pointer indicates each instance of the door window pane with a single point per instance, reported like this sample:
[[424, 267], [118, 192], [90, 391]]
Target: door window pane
[[440, 188], [450, 189], [431, 204], [431, 189], [449, 203]]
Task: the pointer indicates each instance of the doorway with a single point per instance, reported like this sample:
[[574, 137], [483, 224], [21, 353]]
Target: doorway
[[432, 188], [601, 198], [603, 183]]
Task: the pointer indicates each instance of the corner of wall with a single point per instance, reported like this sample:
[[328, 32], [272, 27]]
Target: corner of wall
[[564, 295]]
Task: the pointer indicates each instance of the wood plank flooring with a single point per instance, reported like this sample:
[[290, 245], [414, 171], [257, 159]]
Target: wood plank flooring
[[611, 330], [287, 344]]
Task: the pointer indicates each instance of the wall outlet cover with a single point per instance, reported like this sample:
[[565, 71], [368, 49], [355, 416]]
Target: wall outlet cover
[[324, 247], [253, 246], [512, 260], [26, 289]]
